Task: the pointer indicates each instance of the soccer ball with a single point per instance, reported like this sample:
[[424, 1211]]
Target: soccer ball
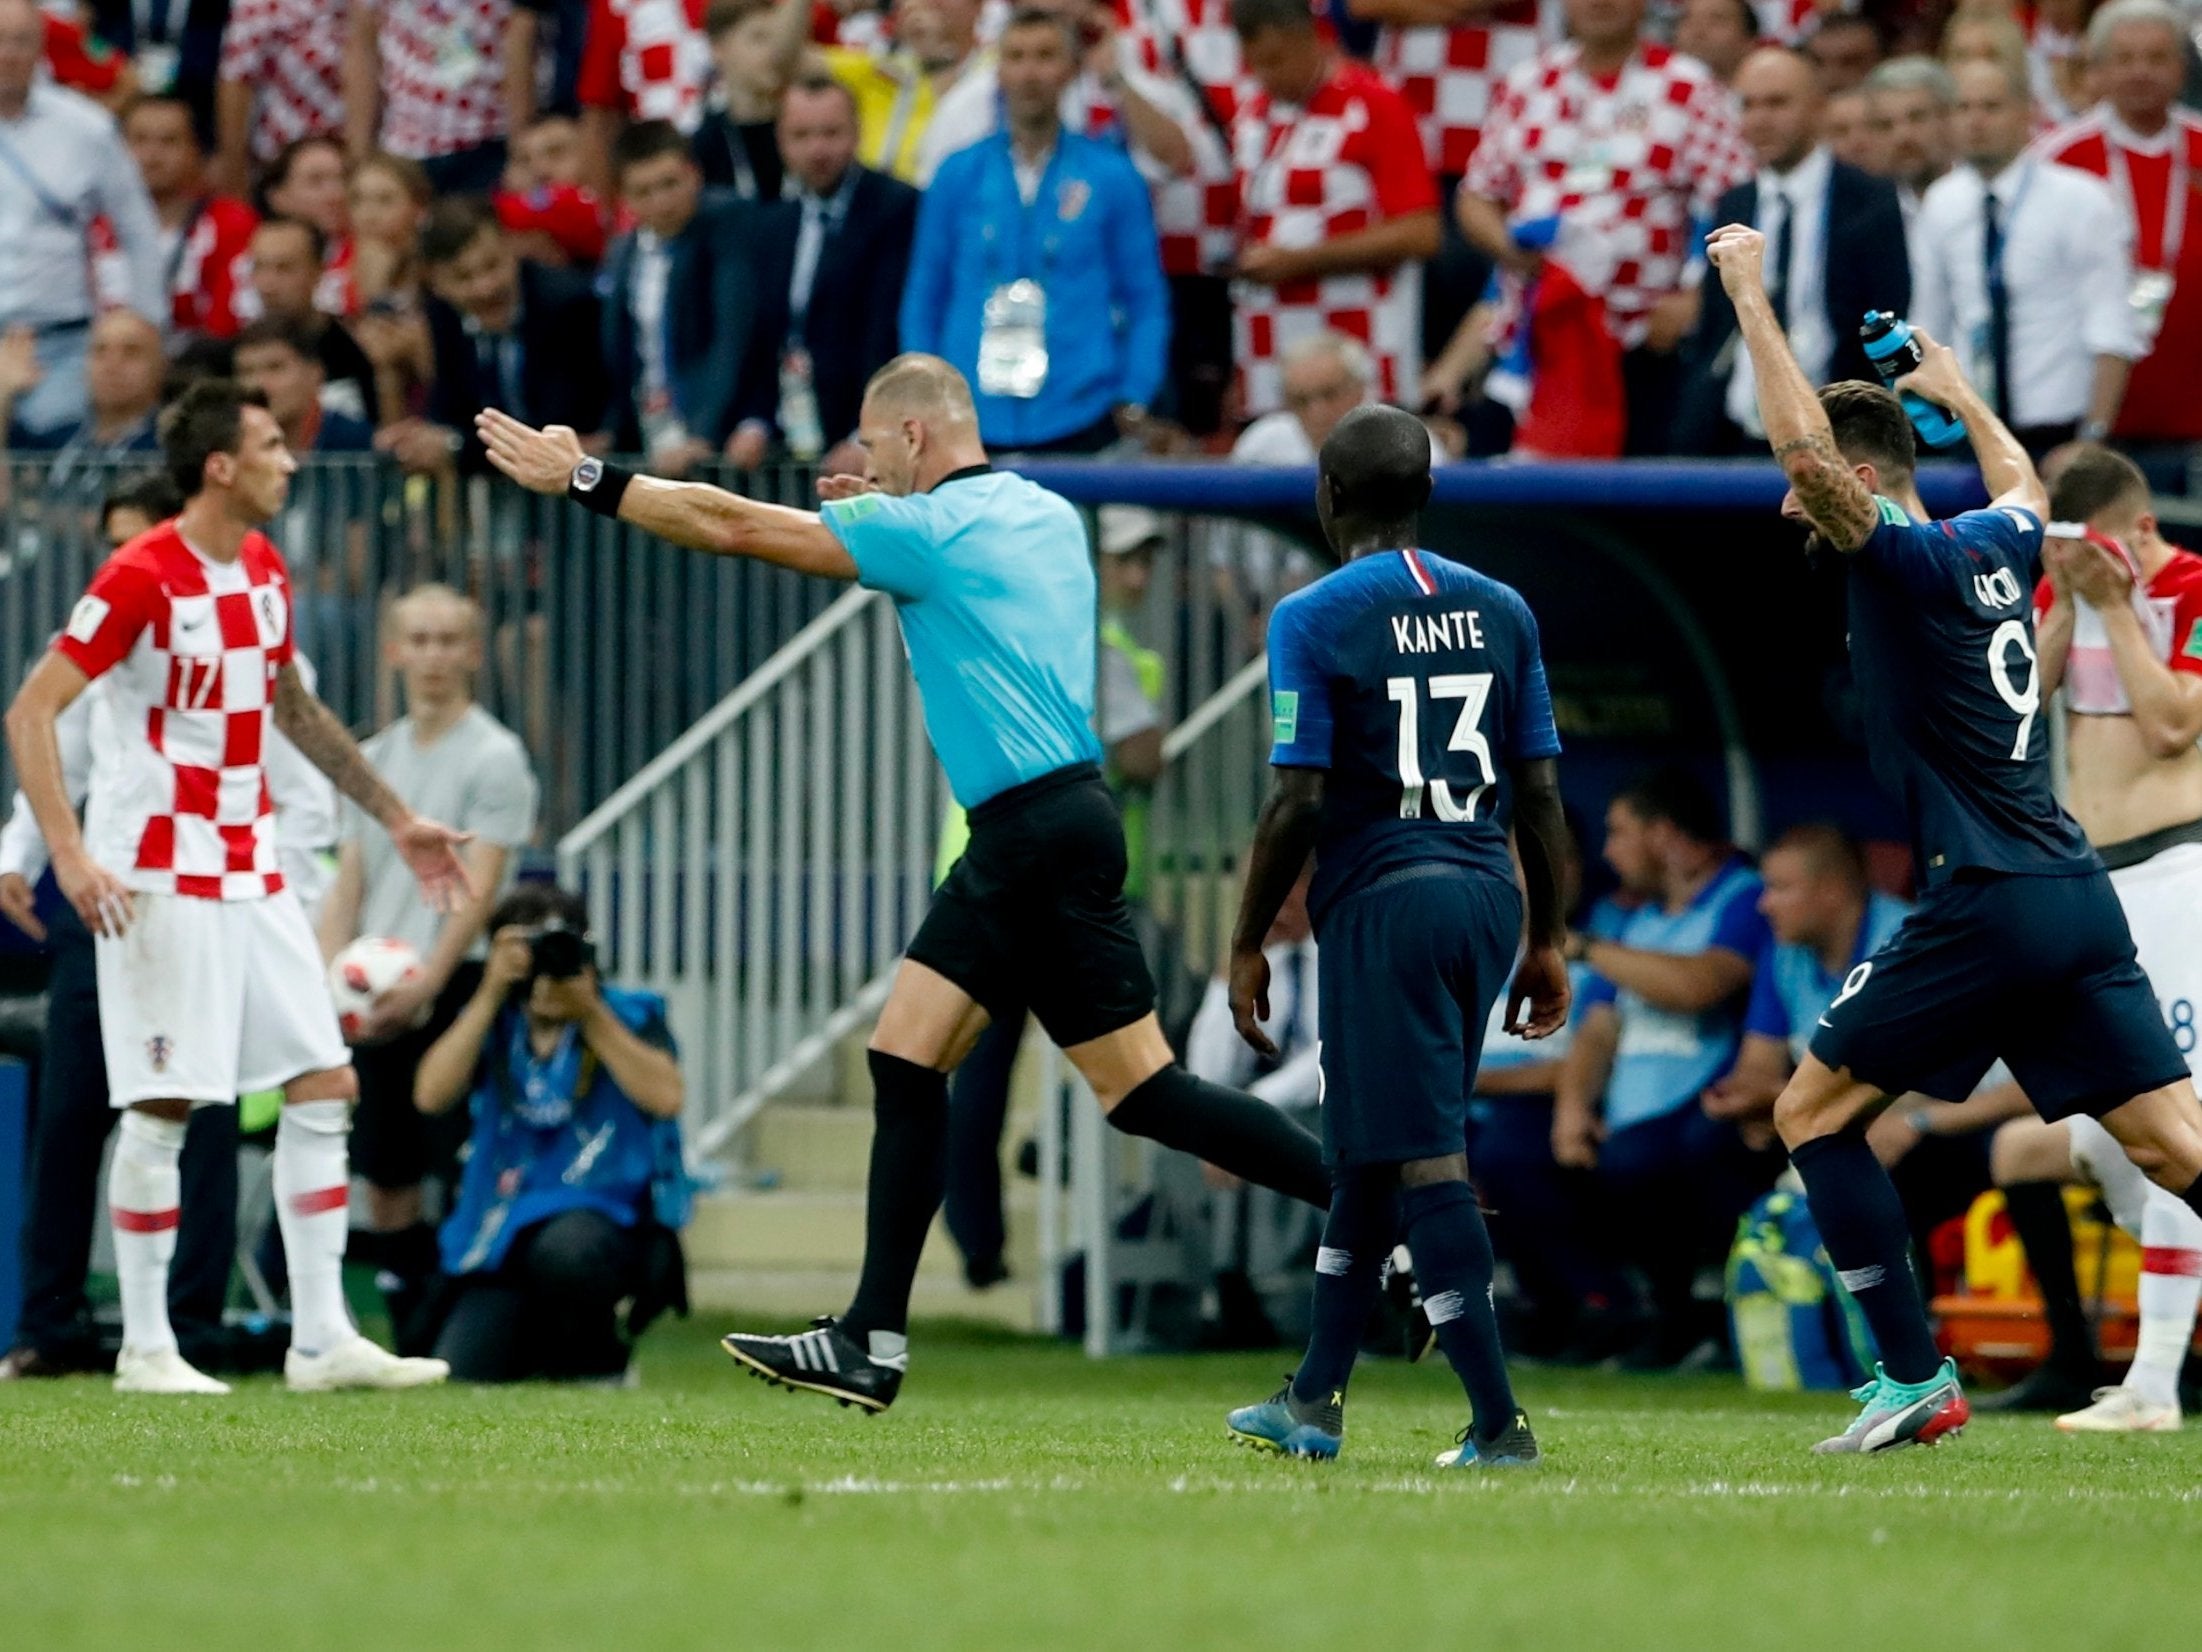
[[364, 971]]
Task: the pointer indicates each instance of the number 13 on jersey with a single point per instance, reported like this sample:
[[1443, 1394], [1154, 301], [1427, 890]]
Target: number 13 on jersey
[[1473, 690]]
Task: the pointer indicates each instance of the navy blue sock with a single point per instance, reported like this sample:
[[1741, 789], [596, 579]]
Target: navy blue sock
[[1349, 1276], [1452, 1263], [1861, 1222]]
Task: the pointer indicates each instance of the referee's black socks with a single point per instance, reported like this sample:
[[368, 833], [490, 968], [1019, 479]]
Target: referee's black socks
[[1229, 1129], [909, 1173]]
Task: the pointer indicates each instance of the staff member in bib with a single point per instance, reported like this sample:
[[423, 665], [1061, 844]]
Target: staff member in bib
[[1036, 270]]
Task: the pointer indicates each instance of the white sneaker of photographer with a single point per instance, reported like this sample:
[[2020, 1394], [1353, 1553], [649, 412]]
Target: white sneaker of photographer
[[358, 1364], [2122, 1411], [162, 1371]]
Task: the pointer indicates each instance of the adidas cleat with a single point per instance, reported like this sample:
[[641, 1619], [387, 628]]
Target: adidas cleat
[[1291, 1426], [822, 1360], [1515, 1447], [1895, 1414]]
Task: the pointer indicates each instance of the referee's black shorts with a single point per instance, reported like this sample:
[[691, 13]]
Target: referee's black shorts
[[1034, 914]]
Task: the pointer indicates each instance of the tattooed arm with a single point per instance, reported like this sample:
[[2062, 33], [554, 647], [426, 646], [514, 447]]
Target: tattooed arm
[[429, 850], [326, 744], [1832, 493]]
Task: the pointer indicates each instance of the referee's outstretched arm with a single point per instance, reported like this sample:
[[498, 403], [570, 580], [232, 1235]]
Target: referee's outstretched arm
[[695, 514]]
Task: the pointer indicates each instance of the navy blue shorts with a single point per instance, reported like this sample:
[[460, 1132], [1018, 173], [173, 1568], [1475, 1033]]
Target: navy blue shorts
[[1409, 969], [2039, 971]]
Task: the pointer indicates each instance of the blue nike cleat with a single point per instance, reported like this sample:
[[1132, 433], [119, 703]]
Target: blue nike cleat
[[1515, 1447], [1895, 1414], [1291, 1426]]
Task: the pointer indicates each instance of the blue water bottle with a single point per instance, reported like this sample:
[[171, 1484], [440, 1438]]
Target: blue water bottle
[[1894, 350]]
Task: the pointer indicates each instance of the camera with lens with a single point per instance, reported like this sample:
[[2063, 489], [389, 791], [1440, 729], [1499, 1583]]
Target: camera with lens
[[558, 952]]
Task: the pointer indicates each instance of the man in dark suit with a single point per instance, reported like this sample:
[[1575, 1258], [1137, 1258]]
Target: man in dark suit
[[504, 331], [692, 372], [1835, 249], [833, 258]]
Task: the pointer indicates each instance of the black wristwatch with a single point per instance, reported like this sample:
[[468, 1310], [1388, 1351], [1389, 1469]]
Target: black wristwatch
[[597, 486], [586, 475]]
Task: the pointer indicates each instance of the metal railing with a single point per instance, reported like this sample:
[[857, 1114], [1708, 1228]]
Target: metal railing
[[602, 645], [765, 871]]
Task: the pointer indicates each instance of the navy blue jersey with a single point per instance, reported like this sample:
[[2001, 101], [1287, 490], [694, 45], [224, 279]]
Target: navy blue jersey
[[1942, 647], [1416, 683]]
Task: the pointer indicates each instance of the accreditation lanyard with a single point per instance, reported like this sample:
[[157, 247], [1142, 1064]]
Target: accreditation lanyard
[[2175, 199]]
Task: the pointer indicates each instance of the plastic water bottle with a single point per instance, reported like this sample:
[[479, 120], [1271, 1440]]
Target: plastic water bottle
[[1894, 350]]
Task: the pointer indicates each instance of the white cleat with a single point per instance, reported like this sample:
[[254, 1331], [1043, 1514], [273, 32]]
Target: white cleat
[[2122, 1411], [358, 1364], [139, 1371]]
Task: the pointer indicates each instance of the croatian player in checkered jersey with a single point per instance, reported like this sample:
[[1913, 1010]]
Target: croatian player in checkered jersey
[[2119, 625], [210, 980], [2018, 948]]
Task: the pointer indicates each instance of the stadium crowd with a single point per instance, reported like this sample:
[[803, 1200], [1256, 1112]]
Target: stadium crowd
[[691, 228]]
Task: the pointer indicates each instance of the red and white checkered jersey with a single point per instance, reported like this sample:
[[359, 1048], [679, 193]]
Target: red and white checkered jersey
[[442, 74], [647, 59], [2158, 182], [1197, 215], [210, 269], [1625, 163], [2169, 608], [184, 653], [1787, 22], [1350, 159], [291, 53], [1449, 75]]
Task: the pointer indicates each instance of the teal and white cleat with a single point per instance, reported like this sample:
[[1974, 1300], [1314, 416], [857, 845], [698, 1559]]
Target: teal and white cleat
[[1291, 1426], [1896, 1414], [1515, 1447]]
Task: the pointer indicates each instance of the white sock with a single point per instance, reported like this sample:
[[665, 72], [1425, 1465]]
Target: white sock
[[312, 1191], [144, 1200], [2171, 1283], [888, 1347]]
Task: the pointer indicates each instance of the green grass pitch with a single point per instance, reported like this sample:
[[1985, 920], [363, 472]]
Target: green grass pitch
[[1020, 1497]]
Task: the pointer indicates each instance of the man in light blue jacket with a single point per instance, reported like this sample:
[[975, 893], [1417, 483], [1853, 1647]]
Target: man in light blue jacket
[[1036, 270]]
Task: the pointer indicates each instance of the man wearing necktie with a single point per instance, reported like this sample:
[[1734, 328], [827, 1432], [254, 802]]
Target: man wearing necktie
[[1835, 241], [2026, 267]]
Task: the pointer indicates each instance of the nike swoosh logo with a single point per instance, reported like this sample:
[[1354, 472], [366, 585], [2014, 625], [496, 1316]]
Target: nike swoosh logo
[[1825, 1022]]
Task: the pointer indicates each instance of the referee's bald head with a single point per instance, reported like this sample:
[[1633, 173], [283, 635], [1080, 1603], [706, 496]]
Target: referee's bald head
[[917, 424], [918, 386], [1376, 469]]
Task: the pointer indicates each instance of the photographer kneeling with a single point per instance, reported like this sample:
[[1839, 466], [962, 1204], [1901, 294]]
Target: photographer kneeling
[[573, 1183]]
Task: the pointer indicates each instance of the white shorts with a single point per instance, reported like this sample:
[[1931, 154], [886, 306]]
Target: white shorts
[[2162, 898], [204, 1001]]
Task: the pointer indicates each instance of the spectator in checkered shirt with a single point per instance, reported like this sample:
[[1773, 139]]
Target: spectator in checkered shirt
[[1338, 206], [1718, 33], [1619, 147], [282, 81], [1448, 59], [440, 82], [641, 60]]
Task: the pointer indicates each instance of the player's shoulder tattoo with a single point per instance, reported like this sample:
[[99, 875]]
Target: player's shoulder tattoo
[[1839, 504]]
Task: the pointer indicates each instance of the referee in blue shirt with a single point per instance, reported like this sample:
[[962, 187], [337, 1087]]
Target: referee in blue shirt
[[994, 585]]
